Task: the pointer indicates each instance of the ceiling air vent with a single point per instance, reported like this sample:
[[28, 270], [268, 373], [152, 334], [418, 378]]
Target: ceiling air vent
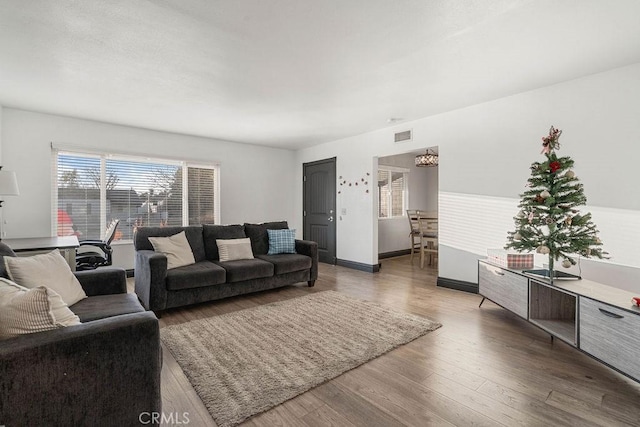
[[402, 136]]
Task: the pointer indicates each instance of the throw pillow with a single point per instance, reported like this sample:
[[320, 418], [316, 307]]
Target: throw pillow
[[176, 248], [232, 249], [25, 311], [50, 270], [211, 233], [282, 241]]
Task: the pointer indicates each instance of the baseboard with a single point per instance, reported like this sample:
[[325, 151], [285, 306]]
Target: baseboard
[[358, 266], [394, 254], [458, 285]]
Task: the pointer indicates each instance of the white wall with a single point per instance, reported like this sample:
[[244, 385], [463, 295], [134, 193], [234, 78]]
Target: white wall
[[487, 149], [393, 233], [256, 182], [0, 135]]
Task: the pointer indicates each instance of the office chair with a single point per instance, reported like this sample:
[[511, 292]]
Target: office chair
[[94, 259]]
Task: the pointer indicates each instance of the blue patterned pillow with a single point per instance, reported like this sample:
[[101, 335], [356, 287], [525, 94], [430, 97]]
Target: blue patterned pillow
[[282, 241]]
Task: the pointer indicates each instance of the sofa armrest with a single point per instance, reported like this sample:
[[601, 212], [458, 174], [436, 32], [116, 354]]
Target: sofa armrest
[[103, 281], [309, 248], [107, 370], [150, 279]]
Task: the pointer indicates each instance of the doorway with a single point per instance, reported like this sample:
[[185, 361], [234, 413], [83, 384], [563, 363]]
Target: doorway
[[404, 186], [319, 207]]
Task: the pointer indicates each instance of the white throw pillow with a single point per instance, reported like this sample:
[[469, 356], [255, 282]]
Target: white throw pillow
[[50, 270], [176, 248], [231, 249], [25, 311]]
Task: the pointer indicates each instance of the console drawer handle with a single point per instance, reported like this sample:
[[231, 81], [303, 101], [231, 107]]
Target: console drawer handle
[[610, 314], [499, 273]]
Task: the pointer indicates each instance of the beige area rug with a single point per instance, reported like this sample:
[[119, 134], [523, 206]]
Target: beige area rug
[[246, 362]]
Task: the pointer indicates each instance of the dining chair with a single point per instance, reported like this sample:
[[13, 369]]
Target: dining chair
[[414, 230], [428, 226]]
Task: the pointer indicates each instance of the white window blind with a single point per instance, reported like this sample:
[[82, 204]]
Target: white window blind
[[398, 183], [201, 182], [143, 194], [92, 190], [384, 189], [392, 193], [78, 196]]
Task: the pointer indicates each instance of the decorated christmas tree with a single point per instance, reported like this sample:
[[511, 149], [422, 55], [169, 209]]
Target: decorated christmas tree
[[549, 221]]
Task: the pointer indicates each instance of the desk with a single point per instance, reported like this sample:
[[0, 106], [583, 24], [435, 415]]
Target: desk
[[36, 245]]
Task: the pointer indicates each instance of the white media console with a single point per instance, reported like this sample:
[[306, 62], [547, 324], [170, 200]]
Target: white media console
[[597, 319]]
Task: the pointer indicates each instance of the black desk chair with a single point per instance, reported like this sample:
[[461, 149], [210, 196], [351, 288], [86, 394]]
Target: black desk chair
[[93, 259]]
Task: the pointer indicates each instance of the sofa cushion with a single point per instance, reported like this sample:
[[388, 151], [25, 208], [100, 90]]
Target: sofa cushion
[[286, 263], [203, 273], [212, 232], [25, 311], [246, 269], [176, 248], [50, 270], [259, 236], [102, 306], [193, 233]]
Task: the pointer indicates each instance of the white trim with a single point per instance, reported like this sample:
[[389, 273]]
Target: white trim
[[103, 197], [217, 189], [54, 192], [126, 155], [185, 195], [201, 165], [394, 168]]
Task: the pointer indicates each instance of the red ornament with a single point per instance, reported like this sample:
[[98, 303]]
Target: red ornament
[[636, 301], [554, 166]]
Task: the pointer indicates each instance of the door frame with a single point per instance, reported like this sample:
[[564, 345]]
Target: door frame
[[376, 164], [332, 160]]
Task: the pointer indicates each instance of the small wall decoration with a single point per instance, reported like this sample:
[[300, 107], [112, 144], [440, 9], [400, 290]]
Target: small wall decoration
[[362, 183]]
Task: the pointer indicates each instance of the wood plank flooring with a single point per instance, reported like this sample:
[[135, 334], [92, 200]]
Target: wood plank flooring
[[484, 367]]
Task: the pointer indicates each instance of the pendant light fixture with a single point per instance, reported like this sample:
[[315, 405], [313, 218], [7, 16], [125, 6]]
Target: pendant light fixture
[[429, 158]]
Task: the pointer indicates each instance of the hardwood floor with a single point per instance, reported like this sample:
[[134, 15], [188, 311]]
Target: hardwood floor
[[484, 367]]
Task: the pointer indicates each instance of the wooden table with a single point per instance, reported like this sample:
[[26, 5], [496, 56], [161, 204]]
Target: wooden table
[[37, 245]]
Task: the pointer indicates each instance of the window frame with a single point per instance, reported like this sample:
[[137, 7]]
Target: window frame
[[185, 190], [138, 158], [405, 192]]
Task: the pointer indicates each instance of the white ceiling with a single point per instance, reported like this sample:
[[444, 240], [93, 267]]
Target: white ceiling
[[294, 73]]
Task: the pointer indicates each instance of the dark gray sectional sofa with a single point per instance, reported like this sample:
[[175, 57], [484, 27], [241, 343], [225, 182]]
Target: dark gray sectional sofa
[[105, 371], [209, 278]]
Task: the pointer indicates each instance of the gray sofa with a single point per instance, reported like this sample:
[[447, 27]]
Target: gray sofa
[[105, 371], [209, 278]]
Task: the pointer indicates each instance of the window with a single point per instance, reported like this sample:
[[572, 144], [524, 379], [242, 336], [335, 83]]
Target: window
[[392, 192], [201, 182], [92, 190]]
